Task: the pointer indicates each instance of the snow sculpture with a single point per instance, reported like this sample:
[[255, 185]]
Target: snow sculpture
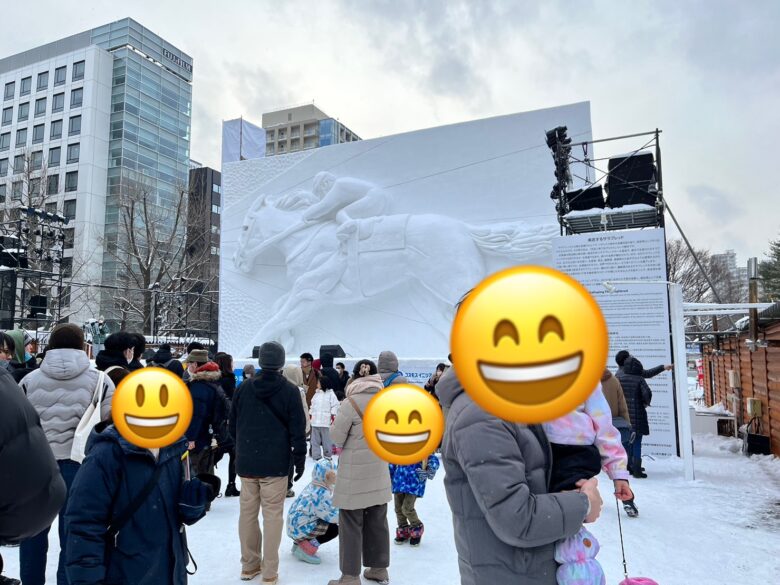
[[343, 244]]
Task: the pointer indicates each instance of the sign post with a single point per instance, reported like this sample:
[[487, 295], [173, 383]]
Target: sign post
[[685, 439]]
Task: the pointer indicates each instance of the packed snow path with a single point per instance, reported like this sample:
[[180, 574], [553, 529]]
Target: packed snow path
[[724, 528]]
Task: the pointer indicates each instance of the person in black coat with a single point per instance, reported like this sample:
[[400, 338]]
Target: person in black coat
[[327, 370], [118, 351], [163, 358], [269, 429], [638, 397], [209, 411], [228, 384], [623, 355], [31, 487], [150, 549], [341, 370]]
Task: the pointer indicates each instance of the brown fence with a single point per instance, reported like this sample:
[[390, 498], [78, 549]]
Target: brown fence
[[759, 373]]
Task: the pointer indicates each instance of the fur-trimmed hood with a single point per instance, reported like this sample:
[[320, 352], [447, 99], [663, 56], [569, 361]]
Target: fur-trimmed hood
[[208, 372]]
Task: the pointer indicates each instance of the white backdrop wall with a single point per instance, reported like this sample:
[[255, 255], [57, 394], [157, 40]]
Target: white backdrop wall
[[384, 235]]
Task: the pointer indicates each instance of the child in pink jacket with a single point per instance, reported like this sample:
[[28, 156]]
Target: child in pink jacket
[[583, 442]]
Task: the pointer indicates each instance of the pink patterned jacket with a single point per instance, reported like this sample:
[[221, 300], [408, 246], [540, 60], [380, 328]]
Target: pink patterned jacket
[[591, 424]]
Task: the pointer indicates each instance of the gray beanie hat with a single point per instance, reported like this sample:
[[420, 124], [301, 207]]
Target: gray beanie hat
[[271, 356]]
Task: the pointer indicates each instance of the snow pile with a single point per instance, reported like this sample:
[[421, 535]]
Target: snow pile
[[723, 528], [716, 408]]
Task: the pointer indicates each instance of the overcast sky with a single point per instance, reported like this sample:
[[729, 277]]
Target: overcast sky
[[706, 72]]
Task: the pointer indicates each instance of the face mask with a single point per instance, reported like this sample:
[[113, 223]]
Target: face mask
[[4, 364], [27, 356]]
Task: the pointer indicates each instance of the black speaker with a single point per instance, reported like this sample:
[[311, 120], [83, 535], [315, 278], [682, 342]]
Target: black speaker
[[584, 199], [334, 350], [38, 305], [256, 351], [631, 180]]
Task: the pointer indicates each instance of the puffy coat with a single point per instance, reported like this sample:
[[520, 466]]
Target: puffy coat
[[638, 394], [61, 390], [209, 406], [107, 358], [651, 373], [405, 479], [267, 424], [315, 503], [294, 374], [31, 488], [387, 364], [506, 524], [163, 358], [150, 549], [323, 406], [363, 479], [228, 383]]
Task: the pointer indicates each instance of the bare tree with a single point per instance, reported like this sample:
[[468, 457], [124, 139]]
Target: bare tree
[[684, 271], [161, 265]]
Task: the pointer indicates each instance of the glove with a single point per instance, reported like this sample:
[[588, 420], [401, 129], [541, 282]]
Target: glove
[[422, 474], [299, 469], [431, 473], [212, 483]]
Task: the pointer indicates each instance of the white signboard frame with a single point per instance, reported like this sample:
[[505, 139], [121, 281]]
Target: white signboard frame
[[625, 271]]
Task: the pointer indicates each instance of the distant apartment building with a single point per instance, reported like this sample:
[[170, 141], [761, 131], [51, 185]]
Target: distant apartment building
[[94, 112], [730, 279], [302, 128]]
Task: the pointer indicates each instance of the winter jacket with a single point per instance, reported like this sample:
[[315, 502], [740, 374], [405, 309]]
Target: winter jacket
[[309, 382], [267, 424], [363, 479], [134, 365], [343, 381], [163, 358], [107, 358], [150, 549], [332, 375], [387, 364], [638, 394], [20, 365], [295, 376], [60, 391], [314, 504], [209, 406], [323, 406], [497, 473], [613, 392], [591, 424], [228, 383], [406, 480], [31, 488], [651, 373]]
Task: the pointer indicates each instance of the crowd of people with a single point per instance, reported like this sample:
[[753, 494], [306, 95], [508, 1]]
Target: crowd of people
[[519, 508]]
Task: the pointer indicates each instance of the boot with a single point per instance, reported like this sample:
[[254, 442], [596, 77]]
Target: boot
[[307, 552], [249, 575], [9, 581], [639, 471], [401, 534], [415, 535], [346, 580], [231, 491], [378, 575], [290, 493]]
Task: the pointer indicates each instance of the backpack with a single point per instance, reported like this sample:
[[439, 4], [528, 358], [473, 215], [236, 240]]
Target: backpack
[[390, 379]]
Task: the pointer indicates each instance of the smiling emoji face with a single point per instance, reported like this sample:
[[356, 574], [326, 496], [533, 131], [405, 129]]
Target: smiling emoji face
[[529, 344], [152, 408], [403, 424]]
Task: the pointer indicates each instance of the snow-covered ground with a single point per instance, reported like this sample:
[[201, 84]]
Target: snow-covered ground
[[723, 528]]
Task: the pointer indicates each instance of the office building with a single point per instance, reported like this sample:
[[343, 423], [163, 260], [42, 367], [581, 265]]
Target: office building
[[302, 128], [98, 113]]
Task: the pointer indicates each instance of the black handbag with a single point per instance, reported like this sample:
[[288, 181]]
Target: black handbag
[[754, 443]]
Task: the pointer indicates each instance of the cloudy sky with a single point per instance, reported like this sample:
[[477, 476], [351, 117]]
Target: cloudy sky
[[706, 72]]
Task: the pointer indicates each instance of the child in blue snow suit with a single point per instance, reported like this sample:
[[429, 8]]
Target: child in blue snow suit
[[408, 485], [313, 520]]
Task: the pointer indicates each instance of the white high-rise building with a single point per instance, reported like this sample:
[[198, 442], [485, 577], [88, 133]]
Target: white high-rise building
[[90, 112]]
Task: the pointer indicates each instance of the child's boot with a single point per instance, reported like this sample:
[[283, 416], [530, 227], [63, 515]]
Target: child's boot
[[415, 535], [306, 551], [401, 534], [577, 557]]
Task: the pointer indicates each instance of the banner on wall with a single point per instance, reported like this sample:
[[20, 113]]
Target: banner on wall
[[626, 273]]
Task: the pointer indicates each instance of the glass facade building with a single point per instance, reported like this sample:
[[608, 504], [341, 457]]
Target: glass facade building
[[151, 109]]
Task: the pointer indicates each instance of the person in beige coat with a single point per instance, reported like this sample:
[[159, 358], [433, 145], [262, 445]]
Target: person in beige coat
[[362, 489]]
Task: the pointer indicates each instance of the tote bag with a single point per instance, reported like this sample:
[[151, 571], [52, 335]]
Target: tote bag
[[90, 418]]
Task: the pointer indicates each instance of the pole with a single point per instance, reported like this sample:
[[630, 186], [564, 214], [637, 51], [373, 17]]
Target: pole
[[154, 303], [685, 437], [753, 297]]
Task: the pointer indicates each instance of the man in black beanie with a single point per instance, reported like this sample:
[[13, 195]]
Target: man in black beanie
[[269, 429]]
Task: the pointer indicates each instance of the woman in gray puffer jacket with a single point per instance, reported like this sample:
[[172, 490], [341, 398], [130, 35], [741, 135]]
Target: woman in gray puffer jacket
[[60, 391]]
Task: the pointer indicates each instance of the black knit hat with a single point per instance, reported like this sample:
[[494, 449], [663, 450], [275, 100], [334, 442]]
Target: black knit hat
[[271, 356]]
